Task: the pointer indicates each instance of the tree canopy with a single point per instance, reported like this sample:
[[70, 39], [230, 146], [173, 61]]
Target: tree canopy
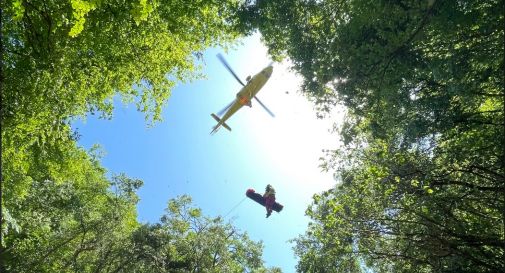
[[70, 58], [421, 175], [65, 229]]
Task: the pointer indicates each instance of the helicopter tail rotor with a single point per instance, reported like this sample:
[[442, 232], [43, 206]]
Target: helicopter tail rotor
[[219, 124]]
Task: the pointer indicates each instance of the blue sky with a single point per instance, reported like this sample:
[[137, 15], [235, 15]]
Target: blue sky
[[178, 156]]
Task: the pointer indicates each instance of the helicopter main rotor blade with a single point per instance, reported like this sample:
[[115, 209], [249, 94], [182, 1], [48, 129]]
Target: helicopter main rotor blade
[[221, 58], [220, 113], [268, 110]]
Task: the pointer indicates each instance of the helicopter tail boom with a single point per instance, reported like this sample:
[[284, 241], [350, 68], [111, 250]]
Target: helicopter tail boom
[[219, 123]]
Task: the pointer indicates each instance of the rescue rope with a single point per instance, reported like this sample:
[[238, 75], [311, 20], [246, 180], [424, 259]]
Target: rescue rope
[[235, 206]]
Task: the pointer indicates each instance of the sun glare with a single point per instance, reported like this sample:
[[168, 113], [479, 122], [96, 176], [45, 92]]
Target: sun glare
[[293, 141]]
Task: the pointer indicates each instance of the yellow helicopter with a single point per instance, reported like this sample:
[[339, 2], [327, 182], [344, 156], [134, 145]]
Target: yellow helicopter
[[244, 96]]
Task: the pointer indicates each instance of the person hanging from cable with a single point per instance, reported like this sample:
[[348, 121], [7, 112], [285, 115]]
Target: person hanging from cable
[[269, 196], [271, 204]]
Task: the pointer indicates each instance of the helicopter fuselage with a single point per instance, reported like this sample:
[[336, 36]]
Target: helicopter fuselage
[[245, 95]]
